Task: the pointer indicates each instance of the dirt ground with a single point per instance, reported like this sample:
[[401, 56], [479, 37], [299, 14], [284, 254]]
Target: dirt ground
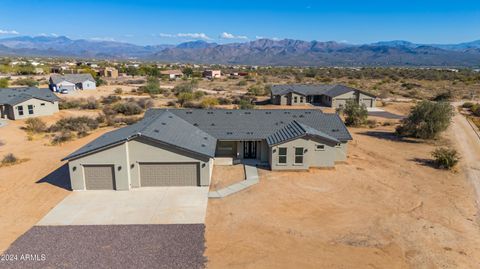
[[225, 175], [384, 208], [28, 190]]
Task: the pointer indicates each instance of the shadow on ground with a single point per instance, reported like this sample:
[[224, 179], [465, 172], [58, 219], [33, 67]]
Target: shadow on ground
[[389, 136], [424, 162], [60, 178]]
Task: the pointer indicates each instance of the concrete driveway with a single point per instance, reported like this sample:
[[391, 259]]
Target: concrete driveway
[[3, 123], [159, 205]]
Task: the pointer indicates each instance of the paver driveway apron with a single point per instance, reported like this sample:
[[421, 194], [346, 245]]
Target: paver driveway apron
[[155, 205]]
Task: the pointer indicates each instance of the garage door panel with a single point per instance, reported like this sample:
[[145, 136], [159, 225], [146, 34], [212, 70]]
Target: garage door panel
[[99, 177], [169, 174]]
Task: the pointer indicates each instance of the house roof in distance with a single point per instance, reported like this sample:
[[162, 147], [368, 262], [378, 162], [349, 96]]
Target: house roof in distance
[[72, 78], [331, 90], [13, 96]]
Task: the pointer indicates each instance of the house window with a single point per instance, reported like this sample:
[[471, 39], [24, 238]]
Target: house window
[[282, 155], [20, 110], [298, 155], [320, 147], [30, 109], [338, 145], [301, 99], [42, 104], [295, 99]]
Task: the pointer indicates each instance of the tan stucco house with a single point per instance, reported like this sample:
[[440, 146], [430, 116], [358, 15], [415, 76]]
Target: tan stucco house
[[335, 96], [72, 82], [21, 103], [178, 147]]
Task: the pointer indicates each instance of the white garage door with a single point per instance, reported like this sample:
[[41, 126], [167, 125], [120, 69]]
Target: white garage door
[[169, 174], [99, 177]]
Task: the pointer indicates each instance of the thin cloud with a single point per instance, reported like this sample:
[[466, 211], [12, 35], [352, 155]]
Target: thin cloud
[[102, 39], [185, 35], [272, 38], [8, 32], [226, 35]]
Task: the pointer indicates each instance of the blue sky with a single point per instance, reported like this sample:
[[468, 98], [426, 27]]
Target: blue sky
[[166, 22]]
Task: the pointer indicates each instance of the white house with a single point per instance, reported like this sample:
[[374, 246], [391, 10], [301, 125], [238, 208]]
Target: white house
[[72, 82]]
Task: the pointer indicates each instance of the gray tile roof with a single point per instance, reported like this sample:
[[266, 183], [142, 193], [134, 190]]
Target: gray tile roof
[[187, 128], [13, 96], [163, 127], [295, 130], [313, 89], [72, 78]]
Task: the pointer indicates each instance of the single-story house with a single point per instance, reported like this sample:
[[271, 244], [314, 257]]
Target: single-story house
[[172, 74], [212, 74], [72, 82], [109, 72], [335, 96], [178, 147], [21, 103]]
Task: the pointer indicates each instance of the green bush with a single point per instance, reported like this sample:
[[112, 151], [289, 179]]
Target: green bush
[[30, 82], [242, 83], [445, 158], [128, 108], [74, 124], [426, 120], [90, 103], [69, 104], [152, 86], [62, 137], [35, 125], [355, 114], [118, 91], [3, 83], [468, 105], [184, 97], [186, 87], [9, 159], [245, 104], [106, 100], [209, 102]]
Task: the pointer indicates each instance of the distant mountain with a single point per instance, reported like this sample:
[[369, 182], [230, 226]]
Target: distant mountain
[[286, 52]]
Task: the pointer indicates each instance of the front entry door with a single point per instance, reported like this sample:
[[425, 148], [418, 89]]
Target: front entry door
[[249, 150]]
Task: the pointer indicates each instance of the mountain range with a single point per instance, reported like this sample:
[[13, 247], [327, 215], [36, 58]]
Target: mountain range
[[287, 52]]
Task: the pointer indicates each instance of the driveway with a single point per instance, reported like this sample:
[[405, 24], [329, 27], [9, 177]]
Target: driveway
[[109, 246], [3, 123], [159, 205]]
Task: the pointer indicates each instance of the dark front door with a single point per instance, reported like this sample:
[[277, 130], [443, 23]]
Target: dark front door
[[249, 150]]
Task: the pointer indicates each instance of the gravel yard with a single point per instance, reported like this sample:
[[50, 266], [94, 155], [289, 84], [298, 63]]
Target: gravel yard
[[110, 246]]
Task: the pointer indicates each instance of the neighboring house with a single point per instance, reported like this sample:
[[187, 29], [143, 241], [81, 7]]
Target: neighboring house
[[172, 74], [335, 96], [178, 147], [110, 72], [212, 74], [21, 103], [72, 82]]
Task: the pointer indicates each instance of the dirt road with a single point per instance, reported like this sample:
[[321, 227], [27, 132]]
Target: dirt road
[[468, 144]]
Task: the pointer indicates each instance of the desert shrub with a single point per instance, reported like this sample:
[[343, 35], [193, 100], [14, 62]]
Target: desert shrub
[[152, 86], [209, 102], [9, 159], [259, 90], [35, 125], [72, 124], [242, 83], [186, 87], [355, 114], [184, 97], [245, 104], [426, 120], [3, 82], [475, 110], [128, 108], [118, 91], [145, 103], [106, 100], [90, 103], [198, 94], [224, 101], [371, 123], [445, 158], [62, 137], [69, 104], [468, 105], [191, 104], [30, 82], [444, 96]]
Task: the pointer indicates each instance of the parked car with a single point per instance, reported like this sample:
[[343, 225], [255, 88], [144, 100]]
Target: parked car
[[64, 91]]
